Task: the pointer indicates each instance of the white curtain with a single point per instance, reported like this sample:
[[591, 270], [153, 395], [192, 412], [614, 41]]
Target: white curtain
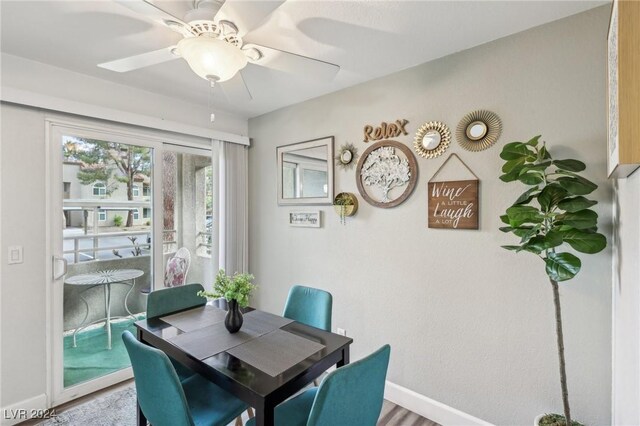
[[231, 203]]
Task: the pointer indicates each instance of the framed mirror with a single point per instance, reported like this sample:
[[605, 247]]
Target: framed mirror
[[432, 139], [305, 172], [478, 130]]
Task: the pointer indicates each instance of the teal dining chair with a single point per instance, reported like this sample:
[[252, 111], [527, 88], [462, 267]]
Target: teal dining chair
[[165, 401], [174, 299], [349, 396], [309, 306]]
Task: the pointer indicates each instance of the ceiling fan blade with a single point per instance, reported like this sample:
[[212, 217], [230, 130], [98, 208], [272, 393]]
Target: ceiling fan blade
[[140, 61], [294, 64], [247, 15], [155, 14], [236, 89]]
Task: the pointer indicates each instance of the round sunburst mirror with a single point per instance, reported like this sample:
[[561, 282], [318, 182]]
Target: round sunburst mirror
[[432, 139], [478, 130], [347, 154]]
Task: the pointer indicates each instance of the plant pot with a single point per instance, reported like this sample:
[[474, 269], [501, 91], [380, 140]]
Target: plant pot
[[233, 320], [537, 419]]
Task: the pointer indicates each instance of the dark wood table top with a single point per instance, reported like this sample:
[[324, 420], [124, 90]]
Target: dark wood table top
[[242, 379]]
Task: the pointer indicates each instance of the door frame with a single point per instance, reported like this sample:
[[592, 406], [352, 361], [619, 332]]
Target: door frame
[[55, 128]]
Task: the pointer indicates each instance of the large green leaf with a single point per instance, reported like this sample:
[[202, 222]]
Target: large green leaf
[[562, 266], [511, 165], [514, 150], [550, 196], [504, 219], [519, 215], [583, 219], [577, 185], [576, 204], [585, 242], [511, 176], [527, 196], [544, 242], [570, 165], [534, 141], [543, 153], [531, 178]]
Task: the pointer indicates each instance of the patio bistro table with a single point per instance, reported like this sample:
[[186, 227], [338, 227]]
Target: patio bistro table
[[104, 278]]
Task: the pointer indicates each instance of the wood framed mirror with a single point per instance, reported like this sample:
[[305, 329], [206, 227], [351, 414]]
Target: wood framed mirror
[[305, 172]]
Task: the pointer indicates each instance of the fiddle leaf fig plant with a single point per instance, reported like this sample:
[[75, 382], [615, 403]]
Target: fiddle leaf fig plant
[[238, 288], [550, 216]]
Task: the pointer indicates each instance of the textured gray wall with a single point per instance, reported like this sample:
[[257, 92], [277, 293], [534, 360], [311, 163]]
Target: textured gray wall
[[470, 324]]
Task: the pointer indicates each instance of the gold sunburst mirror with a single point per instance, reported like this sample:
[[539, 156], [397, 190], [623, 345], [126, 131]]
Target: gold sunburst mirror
[[478, 130], [432, 139]]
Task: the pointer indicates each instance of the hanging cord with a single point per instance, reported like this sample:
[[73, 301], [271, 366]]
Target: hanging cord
[[447, 160], [212, 116]]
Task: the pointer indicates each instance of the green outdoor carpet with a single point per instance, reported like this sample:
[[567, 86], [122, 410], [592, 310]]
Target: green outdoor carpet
[[91, 358]]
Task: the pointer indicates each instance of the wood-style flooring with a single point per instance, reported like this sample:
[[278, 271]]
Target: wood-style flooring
[[391, 415]]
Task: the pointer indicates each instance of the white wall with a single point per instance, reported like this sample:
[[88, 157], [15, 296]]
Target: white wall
[[626, 302], [27, 75], [470, 324]]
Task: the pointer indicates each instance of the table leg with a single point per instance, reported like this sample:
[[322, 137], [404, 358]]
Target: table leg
[[345, 358], [141, 419], [107, 305], [265, 414]]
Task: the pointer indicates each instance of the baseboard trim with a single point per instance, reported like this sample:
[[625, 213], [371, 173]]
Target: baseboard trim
[[429, 408], [24, 410]]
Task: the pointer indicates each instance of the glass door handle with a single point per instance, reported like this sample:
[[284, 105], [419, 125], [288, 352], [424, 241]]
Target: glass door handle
[[64, 267]]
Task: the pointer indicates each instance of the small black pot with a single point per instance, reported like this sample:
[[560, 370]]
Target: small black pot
[[233, 320]]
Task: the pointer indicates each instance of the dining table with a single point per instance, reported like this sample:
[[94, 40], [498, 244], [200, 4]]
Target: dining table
[[269, 360]]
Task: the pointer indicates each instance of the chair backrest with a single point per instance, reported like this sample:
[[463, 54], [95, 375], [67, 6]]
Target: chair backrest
[[175, 273], [173, 299], [353, 394], [309, 306], [158, 388]]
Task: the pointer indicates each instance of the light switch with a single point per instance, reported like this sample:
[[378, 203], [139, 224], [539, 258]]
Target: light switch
[[15, 255]]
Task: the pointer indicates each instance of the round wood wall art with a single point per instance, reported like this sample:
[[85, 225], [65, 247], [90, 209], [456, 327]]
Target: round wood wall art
[[384, 168], [432, 139], [478, 130]]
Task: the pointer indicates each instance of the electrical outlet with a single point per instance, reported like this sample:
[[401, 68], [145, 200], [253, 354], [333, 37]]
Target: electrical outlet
[[15, 255], [341, 331]]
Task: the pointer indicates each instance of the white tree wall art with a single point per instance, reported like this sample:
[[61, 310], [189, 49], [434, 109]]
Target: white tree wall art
[[385, 170]]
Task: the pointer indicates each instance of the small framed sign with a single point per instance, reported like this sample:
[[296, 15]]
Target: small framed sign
[[305, 219], [453, 204]]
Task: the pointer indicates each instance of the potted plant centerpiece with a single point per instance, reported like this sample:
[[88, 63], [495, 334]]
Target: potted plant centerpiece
[[552, 213], [236, 290]]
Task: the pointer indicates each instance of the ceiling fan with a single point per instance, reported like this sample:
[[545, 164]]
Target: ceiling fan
[[214, 44]]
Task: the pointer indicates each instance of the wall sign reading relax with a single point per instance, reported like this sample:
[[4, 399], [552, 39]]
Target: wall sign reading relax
[[453, 204], [385, 130]]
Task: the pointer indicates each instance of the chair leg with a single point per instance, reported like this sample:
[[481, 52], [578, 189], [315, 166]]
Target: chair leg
[[238, 421], [250, 412]]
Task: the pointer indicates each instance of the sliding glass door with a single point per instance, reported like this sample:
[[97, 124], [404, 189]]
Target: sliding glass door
[[128, 214]]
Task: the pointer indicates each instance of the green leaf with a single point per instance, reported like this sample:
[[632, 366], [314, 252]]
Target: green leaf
[[570, 165], [534, 141], [577, 185], [506, 229], [585, 242], [562, 266], [544, 154], [544, 242], [576, 204], [512, 248], [509, 166], [514, 151], [526, 232], [527, 196], [510, 177], [582, 219], [519, 215], [550, 196], [505, 219], [531, 178]]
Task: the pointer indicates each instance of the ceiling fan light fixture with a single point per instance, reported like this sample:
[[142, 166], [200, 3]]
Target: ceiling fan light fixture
[[211, 58]]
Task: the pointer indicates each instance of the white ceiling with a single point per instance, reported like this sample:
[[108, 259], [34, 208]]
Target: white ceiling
[[367, 39]]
